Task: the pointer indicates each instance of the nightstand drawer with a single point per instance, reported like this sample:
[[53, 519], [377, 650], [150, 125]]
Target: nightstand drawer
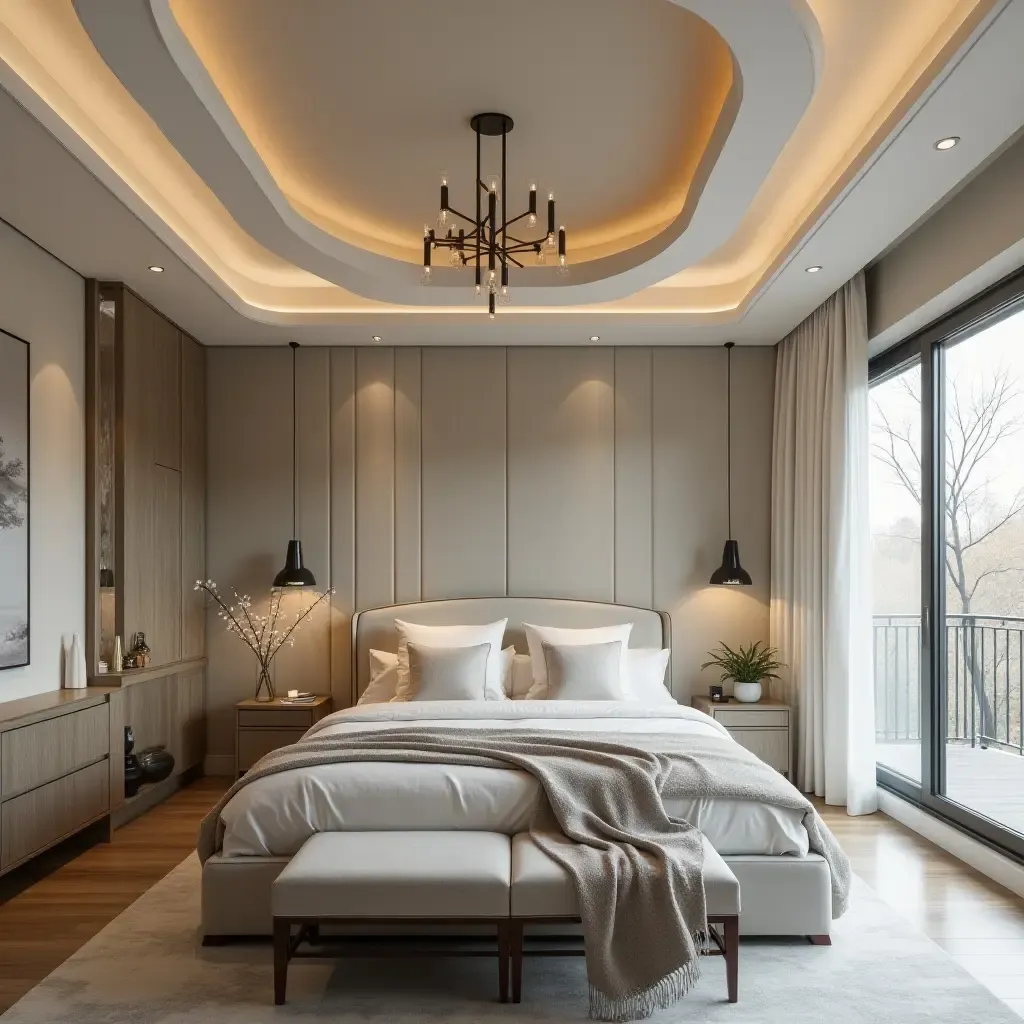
[[254, 743], [733, 717], [771, 745], [276, 718]]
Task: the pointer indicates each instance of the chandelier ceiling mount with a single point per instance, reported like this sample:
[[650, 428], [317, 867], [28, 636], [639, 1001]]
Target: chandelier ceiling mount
[[485, 240]]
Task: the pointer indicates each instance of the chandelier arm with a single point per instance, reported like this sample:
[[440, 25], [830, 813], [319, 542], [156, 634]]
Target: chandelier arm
[[525, 247], [512, 259], [468, 220], [520, 217]]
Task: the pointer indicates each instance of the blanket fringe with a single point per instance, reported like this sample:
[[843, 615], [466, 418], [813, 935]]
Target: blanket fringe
[[646, 1002]]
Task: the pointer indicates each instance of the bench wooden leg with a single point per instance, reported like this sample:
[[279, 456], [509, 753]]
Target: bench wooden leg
[[504, 950], [282, 951], [732, 957], [516, 939]]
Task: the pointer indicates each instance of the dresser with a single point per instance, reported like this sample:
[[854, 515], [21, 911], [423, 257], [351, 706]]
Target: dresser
[[56, 772], [763, 728], [262, 726]]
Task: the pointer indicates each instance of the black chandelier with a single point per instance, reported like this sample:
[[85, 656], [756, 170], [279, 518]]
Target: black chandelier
[[487, 238]]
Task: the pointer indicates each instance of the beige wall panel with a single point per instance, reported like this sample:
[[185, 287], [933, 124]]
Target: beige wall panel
[[690, 502], [634, 551], [375, 477], [307, 665], [343, 519], [463, 472], [249, 508], [561, 472], [193, 497], [408, 563]]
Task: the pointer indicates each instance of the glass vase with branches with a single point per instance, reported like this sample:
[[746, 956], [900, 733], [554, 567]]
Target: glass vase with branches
[[263, 633]]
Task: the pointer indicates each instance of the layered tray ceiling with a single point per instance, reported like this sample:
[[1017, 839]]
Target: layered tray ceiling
[[294, 150]]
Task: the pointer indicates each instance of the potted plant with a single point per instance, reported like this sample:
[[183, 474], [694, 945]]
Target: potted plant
[[747, 667]]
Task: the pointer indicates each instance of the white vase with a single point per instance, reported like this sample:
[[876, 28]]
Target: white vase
[[75, 673], [746, 693]]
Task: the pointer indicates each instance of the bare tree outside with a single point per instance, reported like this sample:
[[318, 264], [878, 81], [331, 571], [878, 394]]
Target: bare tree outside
[[982, 513], [12, 491]]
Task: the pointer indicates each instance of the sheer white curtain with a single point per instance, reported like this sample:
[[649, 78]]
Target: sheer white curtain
[[820, 579]]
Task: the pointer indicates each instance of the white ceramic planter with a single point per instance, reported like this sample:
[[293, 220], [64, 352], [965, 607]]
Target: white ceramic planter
[[747, 693]]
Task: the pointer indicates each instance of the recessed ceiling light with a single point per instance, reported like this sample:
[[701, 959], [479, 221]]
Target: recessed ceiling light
[[595, 337], [947, 143], [813, 270], [376, 337], [156, 269]]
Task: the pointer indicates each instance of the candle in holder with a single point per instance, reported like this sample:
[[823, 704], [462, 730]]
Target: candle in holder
[[292, 694]]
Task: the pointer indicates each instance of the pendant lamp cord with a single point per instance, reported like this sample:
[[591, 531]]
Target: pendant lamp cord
[[295, 464], [728, 432]]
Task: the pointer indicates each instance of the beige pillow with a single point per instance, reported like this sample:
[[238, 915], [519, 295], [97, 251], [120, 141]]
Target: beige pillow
[[448, 673], [491, 633], [536, 635], [584, 671]]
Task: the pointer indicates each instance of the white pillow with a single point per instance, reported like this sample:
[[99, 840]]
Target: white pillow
[[383, 678], [448, 673], [536, 635], [647, 667], [522, 677], [452, 636], [584, 671]]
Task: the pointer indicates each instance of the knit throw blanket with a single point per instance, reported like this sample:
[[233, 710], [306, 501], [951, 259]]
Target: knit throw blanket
[[637, 870]]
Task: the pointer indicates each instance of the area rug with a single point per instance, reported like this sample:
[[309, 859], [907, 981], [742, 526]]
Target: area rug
[[148, 967]]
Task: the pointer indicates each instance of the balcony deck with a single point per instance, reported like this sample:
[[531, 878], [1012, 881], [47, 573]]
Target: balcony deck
[[990, 782]]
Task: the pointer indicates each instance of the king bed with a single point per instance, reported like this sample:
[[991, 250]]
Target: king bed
[[786, 890]]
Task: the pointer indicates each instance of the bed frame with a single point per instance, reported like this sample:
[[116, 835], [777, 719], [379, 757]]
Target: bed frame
[[785, 896]]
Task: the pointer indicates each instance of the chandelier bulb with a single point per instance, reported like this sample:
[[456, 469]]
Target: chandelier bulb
[[541, 257], [550, 240], [443, 221], [532, 220], [479, 290], [425, 277]]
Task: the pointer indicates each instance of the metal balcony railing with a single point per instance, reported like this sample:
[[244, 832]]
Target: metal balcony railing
[[984, 679]]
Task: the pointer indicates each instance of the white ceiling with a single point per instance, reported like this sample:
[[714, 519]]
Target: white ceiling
[[61, 194]]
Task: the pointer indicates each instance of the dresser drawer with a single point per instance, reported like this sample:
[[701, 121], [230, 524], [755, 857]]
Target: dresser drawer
[[37, 753], [771, 745], [254, 743], [37, 819], [739, 717], [276, 718]]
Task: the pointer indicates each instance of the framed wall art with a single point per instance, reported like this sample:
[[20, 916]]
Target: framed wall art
[[14, 501]]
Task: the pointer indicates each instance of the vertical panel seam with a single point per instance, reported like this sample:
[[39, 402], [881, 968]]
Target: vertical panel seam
[[615, 474], [419, 429], [507, 515], [651, 453]]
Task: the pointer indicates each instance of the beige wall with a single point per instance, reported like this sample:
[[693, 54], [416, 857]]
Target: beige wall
[[42, 301], [592, 473], [969, 243]]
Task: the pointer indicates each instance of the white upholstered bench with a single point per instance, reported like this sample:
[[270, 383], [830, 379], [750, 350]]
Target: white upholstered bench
[[544, 893], [395, 877]]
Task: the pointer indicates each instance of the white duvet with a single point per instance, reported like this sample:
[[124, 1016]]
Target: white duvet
[[275, 815]]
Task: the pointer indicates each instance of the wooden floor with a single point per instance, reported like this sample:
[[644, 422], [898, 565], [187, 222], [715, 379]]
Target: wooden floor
[[980, 924], [43, 925], [976, 921], [990, 781]]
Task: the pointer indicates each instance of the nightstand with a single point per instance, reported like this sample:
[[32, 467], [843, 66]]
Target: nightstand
[[262, 726], [763, 728]]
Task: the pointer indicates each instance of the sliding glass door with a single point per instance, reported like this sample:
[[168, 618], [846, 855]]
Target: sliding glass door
[[947, 518], [983, 565]]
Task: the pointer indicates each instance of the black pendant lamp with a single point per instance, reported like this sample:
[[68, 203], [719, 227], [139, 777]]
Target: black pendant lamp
[[294, 573], [730, 572]]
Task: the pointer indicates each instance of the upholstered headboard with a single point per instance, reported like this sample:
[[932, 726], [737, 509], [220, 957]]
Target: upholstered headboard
[[375, 627]]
